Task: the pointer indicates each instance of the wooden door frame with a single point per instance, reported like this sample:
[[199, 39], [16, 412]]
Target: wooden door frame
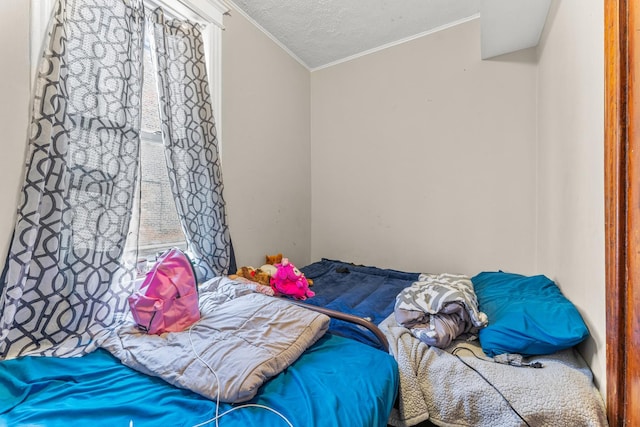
[[622, 210]]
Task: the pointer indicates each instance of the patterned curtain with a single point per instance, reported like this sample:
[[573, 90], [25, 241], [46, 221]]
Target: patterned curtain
[[191, 146], [66, 275]]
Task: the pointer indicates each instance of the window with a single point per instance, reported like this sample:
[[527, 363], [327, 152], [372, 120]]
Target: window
[[159, 225]]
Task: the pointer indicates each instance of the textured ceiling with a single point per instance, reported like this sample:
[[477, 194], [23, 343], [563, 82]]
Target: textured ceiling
[[321, 32]]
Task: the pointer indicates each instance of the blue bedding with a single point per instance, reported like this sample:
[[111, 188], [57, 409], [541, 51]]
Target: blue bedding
[[336, 382], [363, 291]]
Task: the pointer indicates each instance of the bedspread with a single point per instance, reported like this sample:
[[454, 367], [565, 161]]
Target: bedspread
[[436, 385], [244, 337]]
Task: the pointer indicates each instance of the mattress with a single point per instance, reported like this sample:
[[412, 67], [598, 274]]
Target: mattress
[[364, 291]]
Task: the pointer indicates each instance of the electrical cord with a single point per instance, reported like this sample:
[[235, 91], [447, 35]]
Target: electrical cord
[[455, 353], [246, 405], [515, 360], [218, 415], [193, 348]]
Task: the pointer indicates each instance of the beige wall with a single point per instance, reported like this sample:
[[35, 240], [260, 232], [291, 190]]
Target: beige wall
[[571, 164], [424, 157], [265, 146], [14, 108]]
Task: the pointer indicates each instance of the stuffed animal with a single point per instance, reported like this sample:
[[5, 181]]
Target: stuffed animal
[[250, 273], [288, 280], [269, 265], [271, 261], [263, 274], [258, 281]]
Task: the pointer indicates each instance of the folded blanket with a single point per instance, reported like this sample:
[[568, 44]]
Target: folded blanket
[[243, 336], [436, 385], [438, 308]]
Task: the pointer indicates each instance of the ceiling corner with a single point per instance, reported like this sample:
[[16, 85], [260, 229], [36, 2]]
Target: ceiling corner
[[511, 25]]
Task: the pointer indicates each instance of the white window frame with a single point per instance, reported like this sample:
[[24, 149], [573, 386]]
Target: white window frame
[[209, 13]]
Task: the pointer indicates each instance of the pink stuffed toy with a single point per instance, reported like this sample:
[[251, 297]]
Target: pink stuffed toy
[[288, 280]]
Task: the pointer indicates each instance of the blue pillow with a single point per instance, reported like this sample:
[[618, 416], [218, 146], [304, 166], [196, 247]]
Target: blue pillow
[[528, 315]]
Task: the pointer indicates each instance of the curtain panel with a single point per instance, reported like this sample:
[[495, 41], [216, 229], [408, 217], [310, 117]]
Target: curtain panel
[[64, 278], [191, 145]]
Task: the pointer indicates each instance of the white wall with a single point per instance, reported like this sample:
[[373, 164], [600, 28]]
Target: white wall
[[424, 157], [265, 146], [15, 75], [571, 164]]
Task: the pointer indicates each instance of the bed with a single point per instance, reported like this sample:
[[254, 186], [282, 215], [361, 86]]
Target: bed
[[461, 385], [331, 380], [349, 375]]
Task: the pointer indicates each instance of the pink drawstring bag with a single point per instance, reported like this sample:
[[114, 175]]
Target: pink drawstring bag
[[167, 300]]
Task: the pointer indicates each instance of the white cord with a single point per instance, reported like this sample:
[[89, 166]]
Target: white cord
[[214, 374], [218, 416], [246, 405]]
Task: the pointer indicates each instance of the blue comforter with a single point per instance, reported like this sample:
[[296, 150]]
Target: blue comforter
[[336, 382]]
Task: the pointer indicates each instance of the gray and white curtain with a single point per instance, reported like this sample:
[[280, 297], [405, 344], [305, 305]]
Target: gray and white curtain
[[68, 272], [191, 146]]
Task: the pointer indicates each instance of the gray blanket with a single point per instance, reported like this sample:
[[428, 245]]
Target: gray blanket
[[243, 336], [438, 308], [436, 385]]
